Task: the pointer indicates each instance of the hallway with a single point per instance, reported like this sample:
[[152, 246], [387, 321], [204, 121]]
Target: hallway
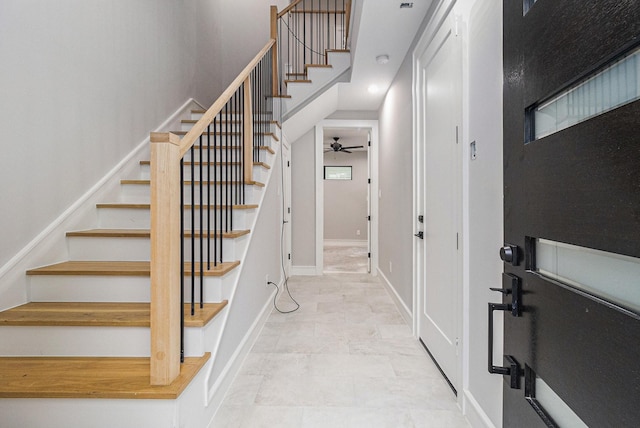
[[346, 358]]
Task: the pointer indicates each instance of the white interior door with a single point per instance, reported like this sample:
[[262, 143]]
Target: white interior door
[[439, 261]]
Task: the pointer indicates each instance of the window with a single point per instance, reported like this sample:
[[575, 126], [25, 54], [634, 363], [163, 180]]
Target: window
[[337, 173]]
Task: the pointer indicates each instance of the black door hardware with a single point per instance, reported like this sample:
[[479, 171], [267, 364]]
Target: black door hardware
[[420, 235], [510, 254], [512, 286]]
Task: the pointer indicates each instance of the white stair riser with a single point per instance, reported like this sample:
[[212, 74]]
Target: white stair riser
[[131, 218], [110, 341], [79, 288], [259, 173], [107, 249], [140, 193]]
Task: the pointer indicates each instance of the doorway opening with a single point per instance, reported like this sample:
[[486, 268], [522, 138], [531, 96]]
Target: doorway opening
[[345, 216], [346, 200]]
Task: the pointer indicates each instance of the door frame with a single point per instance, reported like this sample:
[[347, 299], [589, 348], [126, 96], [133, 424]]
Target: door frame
[[372, 125], [441, 16]]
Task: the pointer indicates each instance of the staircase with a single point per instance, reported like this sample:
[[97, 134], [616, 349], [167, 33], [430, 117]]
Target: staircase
[[85, 331], [102, 324]]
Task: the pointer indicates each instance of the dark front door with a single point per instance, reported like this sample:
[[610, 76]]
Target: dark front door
[[572, 213]]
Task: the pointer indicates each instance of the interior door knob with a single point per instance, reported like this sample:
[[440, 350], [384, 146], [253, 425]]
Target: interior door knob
[[509, 254]]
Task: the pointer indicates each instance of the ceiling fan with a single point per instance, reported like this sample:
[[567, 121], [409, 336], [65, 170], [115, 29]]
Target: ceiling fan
[[337, 147]]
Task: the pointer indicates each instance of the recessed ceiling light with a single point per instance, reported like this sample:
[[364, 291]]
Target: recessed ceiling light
[[406, 5], [373, 89], [382, 59]]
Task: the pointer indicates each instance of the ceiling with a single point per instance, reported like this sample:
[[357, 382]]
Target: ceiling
[[380, 27]]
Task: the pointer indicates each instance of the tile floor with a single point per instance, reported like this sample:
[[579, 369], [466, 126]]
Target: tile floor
[[338, 258], [346, 358]]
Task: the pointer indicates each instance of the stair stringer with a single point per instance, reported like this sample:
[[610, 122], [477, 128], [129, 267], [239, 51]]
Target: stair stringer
[[250, 297]]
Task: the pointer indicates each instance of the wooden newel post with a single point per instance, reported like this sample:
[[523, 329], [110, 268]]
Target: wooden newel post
[[274, 50], [165, 258]]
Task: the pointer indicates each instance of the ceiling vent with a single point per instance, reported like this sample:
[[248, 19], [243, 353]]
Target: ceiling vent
[[406, 5]]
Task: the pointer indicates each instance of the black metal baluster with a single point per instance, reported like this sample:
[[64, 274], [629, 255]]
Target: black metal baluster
[[242, 151], [209, 194], [193, 230], [182, 260], [335, 25], [216, 226], [201, 204]]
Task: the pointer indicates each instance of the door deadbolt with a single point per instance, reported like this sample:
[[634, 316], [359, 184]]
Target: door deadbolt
[[510, 254]]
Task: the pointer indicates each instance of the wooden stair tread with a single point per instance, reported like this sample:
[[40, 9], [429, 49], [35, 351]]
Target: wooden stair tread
[[94, 314], [197, 207], [286, 82], [188, 183], [90, 377], [120, 268], [145, 233], [188, 163]]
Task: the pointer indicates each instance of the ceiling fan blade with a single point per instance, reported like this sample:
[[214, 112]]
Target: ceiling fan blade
[[353, 147], [329, 150], [346, 151]]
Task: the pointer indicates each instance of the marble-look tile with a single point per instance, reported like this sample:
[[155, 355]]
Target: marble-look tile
[[439, 419], [414, 366], [306, 391], [346, 331], [243, 390], [229, 416], [346, 358], [394, 331], [285, 365], [353, 417], [424, 393], [312, 345], [270, 416], [386, 347]]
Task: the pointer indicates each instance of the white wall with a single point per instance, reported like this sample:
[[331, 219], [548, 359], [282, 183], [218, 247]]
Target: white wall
[[224, 46], [345, 201], [81, 85], [395, 177], [303, 201]]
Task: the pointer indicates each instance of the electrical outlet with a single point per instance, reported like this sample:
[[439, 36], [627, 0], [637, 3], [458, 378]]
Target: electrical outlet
[[390, 267], [358, 232], [266, 277]]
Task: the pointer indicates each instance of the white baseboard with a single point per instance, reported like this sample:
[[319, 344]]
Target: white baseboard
[[303, 271], [227, 375], [474, 413], [404, 310], [346, 242], [49, 246]]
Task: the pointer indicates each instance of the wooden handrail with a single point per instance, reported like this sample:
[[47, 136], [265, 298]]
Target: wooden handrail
[[192, 136], [288, 8]]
